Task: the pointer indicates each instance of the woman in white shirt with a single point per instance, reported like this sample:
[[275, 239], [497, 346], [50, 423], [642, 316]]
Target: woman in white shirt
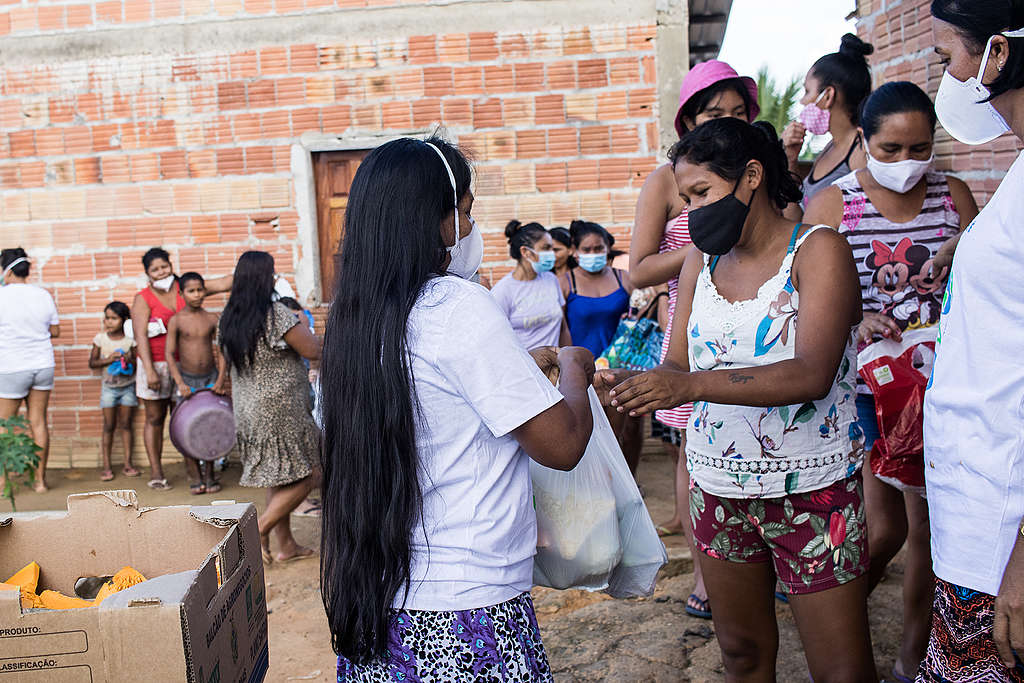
[[530, 295], [431, 409], [974, 408], [28, 322]]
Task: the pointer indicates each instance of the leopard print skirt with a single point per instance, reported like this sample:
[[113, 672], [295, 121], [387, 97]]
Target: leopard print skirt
[[499, 644]]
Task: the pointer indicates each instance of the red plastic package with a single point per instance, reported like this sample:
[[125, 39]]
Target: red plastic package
[[897, 374]]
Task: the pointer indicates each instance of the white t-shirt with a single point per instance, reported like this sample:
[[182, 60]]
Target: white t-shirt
[[974, 408], [474, 384], [26, 313], [534, 307]]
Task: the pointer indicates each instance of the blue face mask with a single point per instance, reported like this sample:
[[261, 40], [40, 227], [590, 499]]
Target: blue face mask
[[593, 263], [545, 261]]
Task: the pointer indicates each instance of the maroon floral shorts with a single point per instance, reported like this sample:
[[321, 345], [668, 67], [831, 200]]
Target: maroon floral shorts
[[815, 540]]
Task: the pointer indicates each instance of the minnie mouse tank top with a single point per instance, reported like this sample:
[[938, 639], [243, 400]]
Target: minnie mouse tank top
[[895, 260]]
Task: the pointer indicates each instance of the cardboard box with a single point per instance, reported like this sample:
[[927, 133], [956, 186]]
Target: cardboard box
[[200, 618]]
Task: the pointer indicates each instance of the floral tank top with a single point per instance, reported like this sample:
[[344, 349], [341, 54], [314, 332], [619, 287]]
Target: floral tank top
[[754, 452]]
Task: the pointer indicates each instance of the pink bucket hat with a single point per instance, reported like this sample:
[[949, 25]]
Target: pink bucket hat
[[705, 75]]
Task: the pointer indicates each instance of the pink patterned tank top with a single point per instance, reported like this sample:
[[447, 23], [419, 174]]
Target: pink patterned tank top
[[677, 236]]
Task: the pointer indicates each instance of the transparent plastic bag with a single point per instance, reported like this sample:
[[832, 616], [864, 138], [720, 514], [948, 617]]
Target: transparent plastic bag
[[577, 523], [643, 553], [593, 529]]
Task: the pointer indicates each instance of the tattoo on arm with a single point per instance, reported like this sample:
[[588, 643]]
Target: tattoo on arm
[[737, 378]]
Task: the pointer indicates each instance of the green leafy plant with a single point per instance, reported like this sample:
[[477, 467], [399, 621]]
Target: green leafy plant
[[19, 454], [777, 100]]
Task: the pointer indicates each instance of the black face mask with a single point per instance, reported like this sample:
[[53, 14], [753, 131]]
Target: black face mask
[[716, 228]]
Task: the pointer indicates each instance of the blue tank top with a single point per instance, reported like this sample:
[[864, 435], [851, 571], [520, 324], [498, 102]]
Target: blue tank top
[[593, 319]]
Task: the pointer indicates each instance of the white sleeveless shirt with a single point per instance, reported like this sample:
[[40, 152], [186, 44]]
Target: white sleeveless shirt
[[754, 452]]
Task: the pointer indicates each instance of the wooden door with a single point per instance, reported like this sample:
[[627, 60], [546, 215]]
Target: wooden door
[[333, 173]]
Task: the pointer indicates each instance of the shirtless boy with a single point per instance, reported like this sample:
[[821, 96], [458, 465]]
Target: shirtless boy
[[195, 364]]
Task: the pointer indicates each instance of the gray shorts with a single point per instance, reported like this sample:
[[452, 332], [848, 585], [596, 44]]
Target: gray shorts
[[196, 382], [17, 384]]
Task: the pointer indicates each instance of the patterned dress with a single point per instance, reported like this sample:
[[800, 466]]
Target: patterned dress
[[497, 644], [961, 647], [277, 438], [677, 236]]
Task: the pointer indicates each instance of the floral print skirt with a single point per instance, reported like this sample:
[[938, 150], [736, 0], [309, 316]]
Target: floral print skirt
[[961, 646], [498, 644], [816, 540]]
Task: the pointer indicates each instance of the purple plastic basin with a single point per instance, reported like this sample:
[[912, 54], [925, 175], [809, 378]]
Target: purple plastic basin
[[203, 426]]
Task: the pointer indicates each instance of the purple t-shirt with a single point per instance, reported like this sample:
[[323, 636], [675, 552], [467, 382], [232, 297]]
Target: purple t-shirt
[[534, 307]]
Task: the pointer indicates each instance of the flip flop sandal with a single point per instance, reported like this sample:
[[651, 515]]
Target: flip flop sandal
[[131, 472], [665, 532], [214, 487], [107, 475], [703, 612], [197, 489], [159, 485]]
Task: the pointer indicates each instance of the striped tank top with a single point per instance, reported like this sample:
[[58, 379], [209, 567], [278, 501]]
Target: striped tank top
[[895, 260], [677, 236]]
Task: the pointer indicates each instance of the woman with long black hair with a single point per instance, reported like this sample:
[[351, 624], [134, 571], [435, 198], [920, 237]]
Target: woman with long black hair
[[279, 443], [431, 408]]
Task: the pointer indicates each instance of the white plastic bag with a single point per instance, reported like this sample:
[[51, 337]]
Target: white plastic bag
[[593, 529], [643, 553], [577, 523]]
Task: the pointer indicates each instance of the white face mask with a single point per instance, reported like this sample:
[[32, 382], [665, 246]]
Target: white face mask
[[961, 105], [467, 253], [164, 283], [899, 176]]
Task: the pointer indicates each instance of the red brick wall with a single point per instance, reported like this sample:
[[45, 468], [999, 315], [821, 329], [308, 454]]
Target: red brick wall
[[101, 158], [902, 35]]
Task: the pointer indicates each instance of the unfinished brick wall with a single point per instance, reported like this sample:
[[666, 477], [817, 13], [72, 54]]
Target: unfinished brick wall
[[902, 35], [101, 158], [30, 16]]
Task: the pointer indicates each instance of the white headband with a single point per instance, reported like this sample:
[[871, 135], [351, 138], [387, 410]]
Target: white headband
[[22, 259], [455, 189]]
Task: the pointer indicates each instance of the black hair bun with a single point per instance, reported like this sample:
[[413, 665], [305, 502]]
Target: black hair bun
[[768, 130], [854, 47], [512, 228]]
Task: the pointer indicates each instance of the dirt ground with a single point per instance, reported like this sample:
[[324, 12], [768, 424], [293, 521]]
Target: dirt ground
[[588, 636]]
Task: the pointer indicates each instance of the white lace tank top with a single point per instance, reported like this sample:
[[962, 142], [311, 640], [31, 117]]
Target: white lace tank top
[[753, 452]]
